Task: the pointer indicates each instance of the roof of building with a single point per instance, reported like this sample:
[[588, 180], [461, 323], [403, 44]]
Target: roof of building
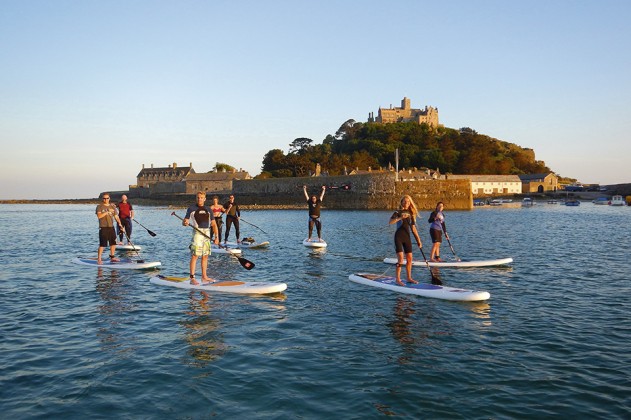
[[218, 176], [534, 177], [487, 178]]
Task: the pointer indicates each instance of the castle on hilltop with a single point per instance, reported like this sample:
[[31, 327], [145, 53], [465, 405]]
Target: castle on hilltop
[[406, 113]]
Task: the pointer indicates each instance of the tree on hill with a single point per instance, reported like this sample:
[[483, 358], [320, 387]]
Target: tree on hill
[[363, 145]]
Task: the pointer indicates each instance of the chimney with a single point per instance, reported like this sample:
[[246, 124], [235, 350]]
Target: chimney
[[190, 165], [174, 165], [143, 166], [152, 166]]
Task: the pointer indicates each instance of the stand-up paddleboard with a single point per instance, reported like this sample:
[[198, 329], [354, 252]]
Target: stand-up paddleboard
[[128, 247], [216, 249], [123, 264], [456, 264], [247, 244], [314, 243], [241, 287], [421, 289]]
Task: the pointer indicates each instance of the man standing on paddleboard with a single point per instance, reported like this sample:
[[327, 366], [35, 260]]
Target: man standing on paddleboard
[[200, 243], [106, 213], [315, 204], [125, 214], [233, 213], [436, 229]]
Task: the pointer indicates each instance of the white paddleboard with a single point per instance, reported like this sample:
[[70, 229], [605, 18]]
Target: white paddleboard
[[314, 243], [246, 244], [123, 264], [456, 264], [128, 247], [241, 287], [421, 289], [216, 249]]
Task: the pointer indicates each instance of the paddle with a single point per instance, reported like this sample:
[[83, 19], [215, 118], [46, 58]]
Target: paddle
[[434, 278], [248, 265], [148, 231], [252, 224], [450, 246], [133, 247]]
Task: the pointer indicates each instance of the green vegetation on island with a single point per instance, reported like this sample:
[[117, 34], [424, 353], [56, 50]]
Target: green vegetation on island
[[362, 145]]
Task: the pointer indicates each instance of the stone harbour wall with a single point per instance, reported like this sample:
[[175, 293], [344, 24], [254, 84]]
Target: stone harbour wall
[[370, 191]]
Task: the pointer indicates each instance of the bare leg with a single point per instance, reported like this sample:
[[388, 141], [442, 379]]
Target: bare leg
[[398, 269], [408, 267], [192, 270], [99, 260], [205, 268]]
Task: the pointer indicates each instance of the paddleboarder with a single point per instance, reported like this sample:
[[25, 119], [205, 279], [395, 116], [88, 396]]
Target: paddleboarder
[[200, 244], [233, 213], [405, 218], [436, 229], [125, 214], [315, 204], [106, 213], [218, 211]]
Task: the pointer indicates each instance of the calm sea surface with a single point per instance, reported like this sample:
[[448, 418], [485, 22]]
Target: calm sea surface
[[553, 341]]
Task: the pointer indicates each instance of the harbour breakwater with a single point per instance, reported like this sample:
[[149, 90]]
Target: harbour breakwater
[[375, 191]]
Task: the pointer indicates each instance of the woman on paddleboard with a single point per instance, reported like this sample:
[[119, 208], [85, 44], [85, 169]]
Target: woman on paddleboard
[[315, 204], [436, 229], [218, 210], [405, 218], [200, 243]]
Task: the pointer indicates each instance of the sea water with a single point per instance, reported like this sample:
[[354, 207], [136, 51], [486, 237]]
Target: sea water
[[553, 340]]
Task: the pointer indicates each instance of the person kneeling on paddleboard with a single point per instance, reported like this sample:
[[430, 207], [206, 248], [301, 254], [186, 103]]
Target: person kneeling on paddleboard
[[315, 204], [405, 218], [200, 244]]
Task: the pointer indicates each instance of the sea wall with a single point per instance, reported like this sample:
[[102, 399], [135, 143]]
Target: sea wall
[[370, 191]]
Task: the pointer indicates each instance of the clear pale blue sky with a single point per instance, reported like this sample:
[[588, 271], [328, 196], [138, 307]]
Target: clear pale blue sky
[[91, 90]]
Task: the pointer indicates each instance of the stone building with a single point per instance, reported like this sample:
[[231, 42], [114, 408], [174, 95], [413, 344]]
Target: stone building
[[538, 183], [406, 113], [149, 177], [214, 181]]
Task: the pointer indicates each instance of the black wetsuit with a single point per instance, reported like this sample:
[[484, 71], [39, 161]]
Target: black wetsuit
[[314, 216], [403, 235]]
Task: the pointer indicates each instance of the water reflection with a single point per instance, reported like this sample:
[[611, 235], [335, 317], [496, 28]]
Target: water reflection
[[202, 330], [113, 309]]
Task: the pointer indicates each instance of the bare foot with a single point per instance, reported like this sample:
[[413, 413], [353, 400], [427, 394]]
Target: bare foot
[[207, 280], [194, 282], [400, 283], [412, 281], [99, 262]]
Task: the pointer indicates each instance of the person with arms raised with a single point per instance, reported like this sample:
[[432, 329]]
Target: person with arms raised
[[315, 204]]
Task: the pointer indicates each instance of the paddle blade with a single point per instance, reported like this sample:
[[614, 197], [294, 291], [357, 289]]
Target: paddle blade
[[151, 233], [248, 265]]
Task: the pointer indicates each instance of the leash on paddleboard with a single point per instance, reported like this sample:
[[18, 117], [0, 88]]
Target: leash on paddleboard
[[148, 231], [248, 265]]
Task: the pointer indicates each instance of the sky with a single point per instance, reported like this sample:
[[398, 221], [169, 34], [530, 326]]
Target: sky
[[92, 90]]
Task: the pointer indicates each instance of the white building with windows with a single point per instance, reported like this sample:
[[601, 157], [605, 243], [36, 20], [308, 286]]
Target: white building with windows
[[484, 185]]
